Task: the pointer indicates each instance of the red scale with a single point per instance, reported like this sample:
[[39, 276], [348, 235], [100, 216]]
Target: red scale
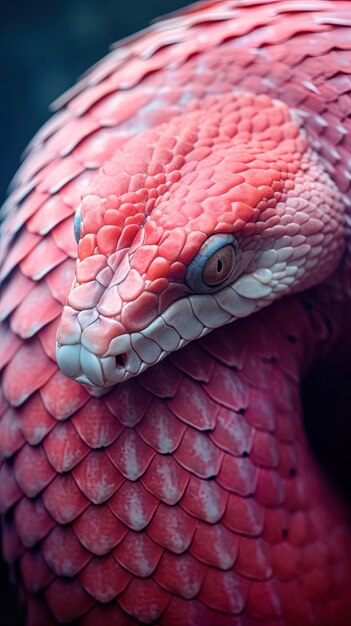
[[186, 495]]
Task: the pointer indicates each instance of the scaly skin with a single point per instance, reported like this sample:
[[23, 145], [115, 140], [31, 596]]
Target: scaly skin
[[185, 494]]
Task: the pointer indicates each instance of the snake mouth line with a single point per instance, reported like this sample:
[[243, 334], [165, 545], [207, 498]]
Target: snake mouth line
[[129, 355]]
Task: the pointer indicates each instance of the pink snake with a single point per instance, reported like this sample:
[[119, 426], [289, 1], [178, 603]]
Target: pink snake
[[206, 163]]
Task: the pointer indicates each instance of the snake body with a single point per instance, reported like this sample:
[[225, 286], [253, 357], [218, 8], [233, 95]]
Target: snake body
[[176, 257]]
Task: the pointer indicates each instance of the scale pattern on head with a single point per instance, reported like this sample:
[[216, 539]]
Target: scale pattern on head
[[233, 175]]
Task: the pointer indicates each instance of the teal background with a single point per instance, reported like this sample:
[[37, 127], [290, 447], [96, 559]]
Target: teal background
[[45, 47]]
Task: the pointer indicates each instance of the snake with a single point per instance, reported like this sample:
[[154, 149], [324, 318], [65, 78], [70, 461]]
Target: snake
[[176, 258]]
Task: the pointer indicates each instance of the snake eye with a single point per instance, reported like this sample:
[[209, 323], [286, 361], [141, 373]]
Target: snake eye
[[214, 265], [77, 223], [219, 266]]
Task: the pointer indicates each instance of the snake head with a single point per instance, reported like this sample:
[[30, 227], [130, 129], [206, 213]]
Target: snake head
[[190, 226]]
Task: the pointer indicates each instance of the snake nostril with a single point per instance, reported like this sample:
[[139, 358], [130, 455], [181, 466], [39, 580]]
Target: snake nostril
[[120, 359]]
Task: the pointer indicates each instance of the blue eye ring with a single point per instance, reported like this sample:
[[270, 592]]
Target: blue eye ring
[[195, 272], [77, 223]]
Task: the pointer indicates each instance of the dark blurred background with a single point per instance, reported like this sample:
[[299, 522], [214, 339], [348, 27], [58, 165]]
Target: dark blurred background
[[45, 45]]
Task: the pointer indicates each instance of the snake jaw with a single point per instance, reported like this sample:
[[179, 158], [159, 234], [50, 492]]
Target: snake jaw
[[184, 320]]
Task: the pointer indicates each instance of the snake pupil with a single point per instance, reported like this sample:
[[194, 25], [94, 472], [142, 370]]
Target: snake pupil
[[219, 266]]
